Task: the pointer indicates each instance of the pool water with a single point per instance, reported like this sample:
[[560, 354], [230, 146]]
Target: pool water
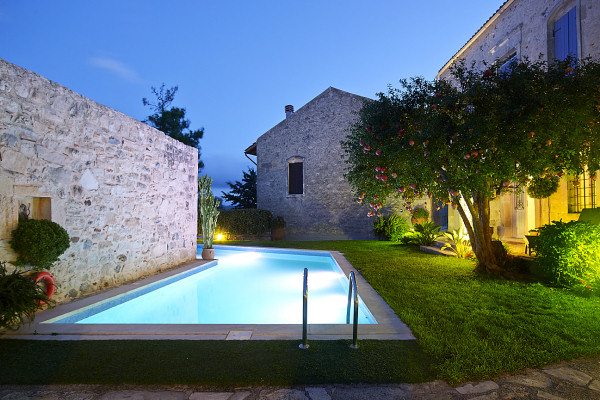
[[245, 286]]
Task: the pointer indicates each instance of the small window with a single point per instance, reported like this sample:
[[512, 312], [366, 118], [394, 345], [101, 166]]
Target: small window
[[582, 193], [506, 65], [295, 176], [565, 35]]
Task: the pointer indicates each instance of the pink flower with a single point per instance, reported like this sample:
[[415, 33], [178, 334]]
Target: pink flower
[[378, 152]]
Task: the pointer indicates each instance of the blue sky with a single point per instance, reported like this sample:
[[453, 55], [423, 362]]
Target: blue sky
[[237, 63]]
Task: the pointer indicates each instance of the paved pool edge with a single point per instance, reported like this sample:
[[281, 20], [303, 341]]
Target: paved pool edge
[[389, 326]]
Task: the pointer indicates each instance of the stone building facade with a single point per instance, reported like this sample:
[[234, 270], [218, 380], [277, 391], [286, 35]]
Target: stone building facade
[[300, 170], [125, 192], [521, 29]]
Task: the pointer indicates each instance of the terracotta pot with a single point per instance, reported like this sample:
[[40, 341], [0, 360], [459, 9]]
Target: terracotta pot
[[277, 233], [208, 254], [414, 220]]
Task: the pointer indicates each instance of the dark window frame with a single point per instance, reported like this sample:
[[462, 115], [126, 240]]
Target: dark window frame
[[295, 177]]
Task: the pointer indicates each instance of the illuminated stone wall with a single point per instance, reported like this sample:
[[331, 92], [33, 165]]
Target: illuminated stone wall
[[125, 192], [313, 133]]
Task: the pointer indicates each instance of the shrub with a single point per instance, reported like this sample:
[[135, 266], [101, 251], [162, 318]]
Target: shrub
[[419, 213], [392, 227], [568, 254], [39, 242], [461, 246], [20, 298], [424, 234], [278, 222], [244, 221], [540, 188]]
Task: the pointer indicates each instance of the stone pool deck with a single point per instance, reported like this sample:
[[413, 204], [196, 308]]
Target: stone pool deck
[[575, 380]]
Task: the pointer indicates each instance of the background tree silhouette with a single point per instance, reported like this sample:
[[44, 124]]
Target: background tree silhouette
[[172, 120]]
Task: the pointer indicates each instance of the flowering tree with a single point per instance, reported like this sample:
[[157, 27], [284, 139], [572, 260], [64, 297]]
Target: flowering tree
[[471, 139]]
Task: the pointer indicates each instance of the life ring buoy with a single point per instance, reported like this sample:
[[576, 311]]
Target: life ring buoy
[[48, 282]]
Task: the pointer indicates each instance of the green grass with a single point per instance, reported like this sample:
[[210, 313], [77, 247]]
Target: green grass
[[469, 327], [210, 363], [474, 327]]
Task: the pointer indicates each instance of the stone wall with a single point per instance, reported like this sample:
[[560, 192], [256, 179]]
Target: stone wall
[[125, 192], [313, 133], [524, 28]]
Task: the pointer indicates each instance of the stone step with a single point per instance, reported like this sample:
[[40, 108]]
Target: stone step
[[436, 250]]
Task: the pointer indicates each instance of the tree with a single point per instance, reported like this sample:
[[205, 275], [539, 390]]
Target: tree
[[243, 194], [469, 140], [172, 120]]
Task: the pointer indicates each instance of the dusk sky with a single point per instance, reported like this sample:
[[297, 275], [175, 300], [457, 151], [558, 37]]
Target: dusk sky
[[237, 63]]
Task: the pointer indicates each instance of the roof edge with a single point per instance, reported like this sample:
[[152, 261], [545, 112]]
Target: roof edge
[[476, 36]]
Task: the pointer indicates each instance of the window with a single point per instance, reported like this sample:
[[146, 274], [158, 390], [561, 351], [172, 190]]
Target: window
[[295, 176], [565, 35], [506, 66], [582, 193]]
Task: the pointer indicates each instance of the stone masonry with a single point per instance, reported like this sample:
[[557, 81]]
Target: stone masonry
[[313, 133], [125, 192], [524, 28]]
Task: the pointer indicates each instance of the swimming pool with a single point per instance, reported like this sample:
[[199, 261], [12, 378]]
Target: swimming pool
[[244, 286]]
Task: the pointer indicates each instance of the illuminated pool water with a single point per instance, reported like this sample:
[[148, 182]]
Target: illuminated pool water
[[245, 286]]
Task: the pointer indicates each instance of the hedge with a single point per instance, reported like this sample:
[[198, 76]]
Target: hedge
[[244, 221]]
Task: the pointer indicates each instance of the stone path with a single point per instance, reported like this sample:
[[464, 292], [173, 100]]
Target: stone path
[[574, 380]]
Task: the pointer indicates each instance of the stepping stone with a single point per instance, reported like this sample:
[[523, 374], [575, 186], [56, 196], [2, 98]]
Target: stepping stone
[[570, 375], [535, 379], [595, 385], [282, 394], [239, 335], [210, 396], [480, 387], [317, 393], [141, 395], [548, 396]]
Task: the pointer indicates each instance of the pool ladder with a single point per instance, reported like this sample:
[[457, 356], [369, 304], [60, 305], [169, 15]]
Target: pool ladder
[[352, 289]]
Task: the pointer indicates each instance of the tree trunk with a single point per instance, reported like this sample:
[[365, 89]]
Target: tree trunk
[[489, 255]]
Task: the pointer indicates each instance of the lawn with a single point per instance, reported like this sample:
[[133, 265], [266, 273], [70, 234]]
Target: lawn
[[474, 327], [468, 327]]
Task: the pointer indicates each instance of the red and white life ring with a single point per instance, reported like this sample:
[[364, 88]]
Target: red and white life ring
[[48, 282]]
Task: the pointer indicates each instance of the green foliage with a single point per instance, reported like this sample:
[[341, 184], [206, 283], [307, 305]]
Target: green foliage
[[420, 213], [476, 327], [461, 246], [243, 194], [244, 221], [20, 298], [568, 254], [39, 242], [172, 121], [480, 134], [540, 188], [208, 209], [278, 222], [424, 234], [591, 215], [392, 227]]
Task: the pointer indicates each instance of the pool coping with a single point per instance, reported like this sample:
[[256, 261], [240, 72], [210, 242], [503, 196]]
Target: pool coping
[[388, 327]]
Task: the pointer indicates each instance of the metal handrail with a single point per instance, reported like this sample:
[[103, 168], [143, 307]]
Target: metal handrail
[[351, 286], [304, 344]]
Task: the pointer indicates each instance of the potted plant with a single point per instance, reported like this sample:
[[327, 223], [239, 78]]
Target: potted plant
[[277, 225], [20, 298], [38, 244], [419, 216], [209, 211]]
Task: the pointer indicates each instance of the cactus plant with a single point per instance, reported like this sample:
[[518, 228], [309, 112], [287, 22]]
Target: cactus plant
[[208, 209]]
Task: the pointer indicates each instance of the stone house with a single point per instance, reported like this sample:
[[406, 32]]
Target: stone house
[[125, 192], [300, 170], [530, 28]]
